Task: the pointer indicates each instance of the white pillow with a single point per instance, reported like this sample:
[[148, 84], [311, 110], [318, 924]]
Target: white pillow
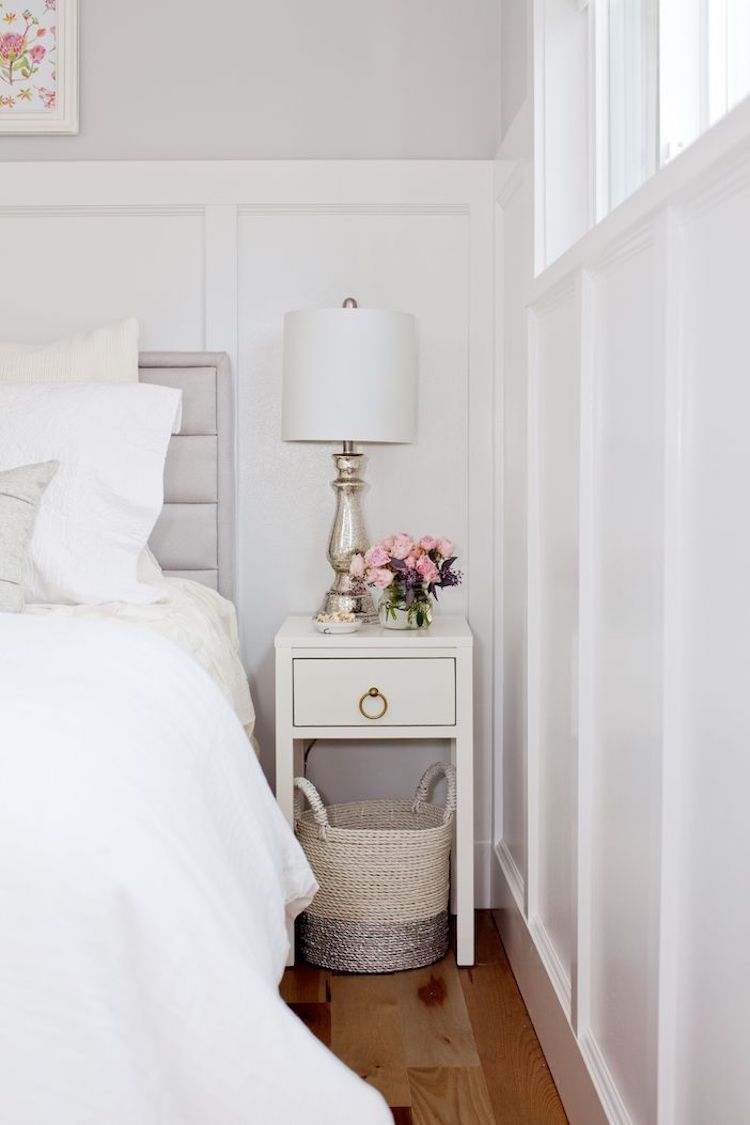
[[108, 355], [99, 511], [21, 492], [149, 569]]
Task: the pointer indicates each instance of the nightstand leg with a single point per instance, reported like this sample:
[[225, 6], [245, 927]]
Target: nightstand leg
[[285, 797], [462, 754], [285, 758]]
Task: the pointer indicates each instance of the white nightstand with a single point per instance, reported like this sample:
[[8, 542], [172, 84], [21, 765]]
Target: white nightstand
[[382, 683]]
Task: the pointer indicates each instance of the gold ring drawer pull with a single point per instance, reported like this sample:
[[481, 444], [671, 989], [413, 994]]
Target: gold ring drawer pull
[[373, 693]]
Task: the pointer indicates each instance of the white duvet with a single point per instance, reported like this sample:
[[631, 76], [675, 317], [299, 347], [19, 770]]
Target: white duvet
[[196, 618], [145, 871]]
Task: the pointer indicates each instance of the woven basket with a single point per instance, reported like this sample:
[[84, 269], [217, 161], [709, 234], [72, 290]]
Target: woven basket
[[384, 874]]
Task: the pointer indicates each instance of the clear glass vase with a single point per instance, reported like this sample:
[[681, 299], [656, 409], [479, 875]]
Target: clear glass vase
[[394, 613]]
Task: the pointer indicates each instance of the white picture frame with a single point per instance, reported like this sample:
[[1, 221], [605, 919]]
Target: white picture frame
[[57, 100]]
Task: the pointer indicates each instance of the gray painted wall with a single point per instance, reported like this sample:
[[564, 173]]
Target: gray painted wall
[[263, 79], [513, 59]]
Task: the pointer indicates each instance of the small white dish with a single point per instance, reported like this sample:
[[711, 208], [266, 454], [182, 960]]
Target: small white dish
[[336, 629]]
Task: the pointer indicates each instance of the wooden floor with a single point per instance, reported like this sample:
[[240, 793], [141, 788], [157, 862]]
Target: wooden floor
[[445, 1046]]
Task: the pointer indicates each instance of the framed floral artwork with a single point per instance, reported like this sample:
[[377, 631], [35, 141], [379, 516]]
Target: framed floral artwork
[[39, 66]]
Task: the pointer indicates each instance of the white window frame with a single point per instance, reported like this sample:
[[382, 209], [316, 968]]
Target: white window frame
[[623, 94], [703, 71]]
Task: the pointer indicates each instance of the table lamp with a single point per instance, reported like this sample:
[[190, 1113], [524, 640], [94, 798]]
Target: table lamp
[[350, 375]]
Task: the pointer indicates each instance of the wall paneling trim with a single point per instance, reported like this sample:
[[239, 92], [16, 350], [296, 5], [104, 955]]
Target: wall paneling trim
[[209, 255], [621, 826]]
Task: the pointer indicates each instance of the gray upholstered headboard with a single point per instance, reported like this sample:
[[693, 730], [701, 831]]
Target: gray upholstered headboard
[[195, 534]]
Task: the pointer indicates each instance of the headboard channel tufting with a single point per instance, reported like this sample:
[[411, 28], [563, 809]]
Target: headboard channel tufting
[[195, 534]]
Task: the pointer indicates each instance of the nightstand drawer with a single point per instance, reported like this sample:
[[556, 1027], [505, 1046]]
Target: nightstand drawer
[[391, 691]]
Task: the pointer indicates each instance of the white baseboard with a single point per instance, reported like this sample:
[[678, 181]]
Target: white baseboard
[[552, 963], [605, 1084], [567, 1061], [513, 876]]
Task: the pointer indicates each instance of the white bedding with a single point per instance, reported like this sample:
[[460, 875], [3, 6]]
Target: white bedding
[[196, 618], [99, 509], [144, 873]]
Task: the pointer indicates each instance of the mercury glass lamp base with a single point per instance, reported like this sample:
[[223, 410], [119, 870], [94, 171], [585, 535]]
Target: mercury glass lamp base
[[348, 538], [359, 604]]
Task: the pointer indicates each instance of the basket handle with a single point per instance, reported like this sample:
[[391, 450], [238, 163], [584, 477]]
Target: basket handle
[[320, 816], [437, 769]]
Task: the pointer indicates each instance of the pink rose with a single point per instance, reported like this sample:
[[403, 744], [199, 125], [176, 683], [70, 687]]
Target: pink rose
[[49, 97], [380, 577], [37, 54], [357, 566], [411, 559], [446, 548], [427, 569], [427, 543], [377, 556], [387, 542], [403, 545]]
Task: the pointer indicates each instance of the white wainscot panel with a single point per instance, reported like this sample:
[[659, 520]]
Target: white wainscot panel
[[517, 256], [627, 655], [712, 984], [553, 616], [417, 263], [78, 268]]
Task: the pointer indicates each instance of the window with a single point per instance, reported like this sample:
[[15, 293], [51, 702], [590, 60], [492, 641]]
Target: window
[[664, 71]]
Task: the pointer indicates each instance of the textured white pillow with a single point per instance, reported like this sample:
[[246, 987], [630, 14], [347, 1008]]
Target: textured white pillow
[[108, 355], [99, 511], [149, 569], [21, 491]]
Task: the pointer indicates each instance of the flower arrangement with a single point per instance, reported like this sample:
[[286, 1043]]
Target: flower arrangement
[[409, 572]]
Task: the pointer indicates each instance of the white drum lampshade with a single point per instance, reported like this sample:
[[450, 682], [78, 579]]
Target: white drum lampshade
[[350, 375]]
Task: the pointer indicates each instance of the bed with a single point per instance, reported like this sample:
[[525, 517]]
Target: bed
[[192, 547], [146, 873]]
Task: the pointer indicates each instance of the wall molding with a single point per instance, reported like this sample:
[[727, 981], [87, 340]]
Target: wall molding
[[569, 1068], [509, 181], [105, 211], [708, 170], [671, 245], [199, 303], [513, 876], [644, 307], [552, 963], [630, 245], [735, 179], [587, 536], [564, 292], [605, 1084], [269, 208]]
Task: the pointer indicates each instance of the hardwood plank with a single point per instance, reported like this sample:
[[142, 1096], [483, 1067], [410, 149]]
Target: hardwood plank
[[305, 984], [366, 1033], [385, 1027], [317, 1018], [489, 948], [449, 1096], [520, 1085], [437, 1030]]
